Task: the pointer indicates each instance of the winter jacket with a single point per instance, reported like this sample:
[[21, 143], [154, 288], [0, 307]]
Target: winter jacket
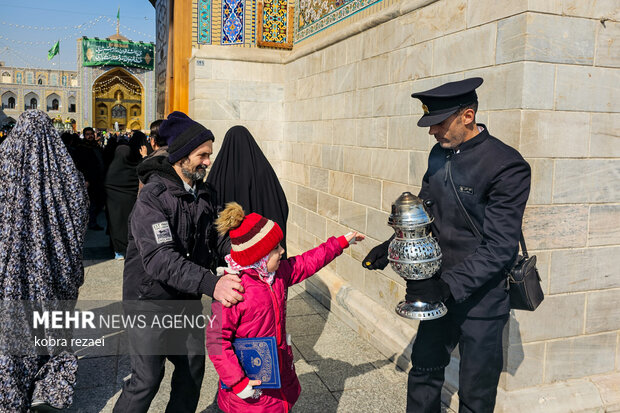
[[493, 183], [173, 244], [262, 313]]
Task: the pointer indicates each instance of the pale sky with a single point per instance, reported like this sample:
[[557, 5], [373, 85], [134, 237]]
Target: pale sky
[[27, 32]]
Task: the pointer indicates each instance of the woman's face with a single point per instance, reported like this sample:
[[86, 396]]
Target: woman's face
[[273, 262]]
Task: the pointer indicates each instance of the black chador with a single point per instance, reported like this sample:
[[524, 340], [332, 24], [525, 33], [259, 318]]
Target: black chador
[[121, 187], [242, 173]]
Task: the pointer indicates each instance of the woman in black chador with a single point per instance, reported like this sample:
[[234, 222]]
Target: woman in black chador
[[242, 173], [44, 210], [121, 187]]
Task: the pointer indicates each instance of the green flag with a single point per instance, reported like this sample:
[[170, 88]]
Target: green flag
[[54, 50], [118, 14]]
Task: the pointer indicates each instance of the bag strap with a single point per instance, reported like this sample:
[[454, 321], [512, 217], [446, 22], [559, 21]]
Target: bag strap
[[523, 248], [468, 219]]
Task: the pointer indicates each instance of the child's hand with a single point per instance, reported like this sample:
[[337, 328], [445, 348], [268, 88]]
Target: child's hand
[[354, 237], [249, 390], [225, 270]]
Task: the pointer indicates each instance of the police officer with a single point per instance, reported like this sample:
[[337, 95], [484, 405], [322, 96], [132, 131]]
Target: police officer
[[491, 180]]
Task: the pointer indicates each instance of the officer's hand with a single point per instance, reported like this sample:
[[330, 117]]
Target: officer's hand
[[377, 258], [227, 290], [432, 290]]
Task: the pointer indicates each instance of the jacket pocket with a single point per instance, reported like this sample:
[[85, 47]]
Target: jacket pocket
[[265, 402], [144, 288], [152, 290]]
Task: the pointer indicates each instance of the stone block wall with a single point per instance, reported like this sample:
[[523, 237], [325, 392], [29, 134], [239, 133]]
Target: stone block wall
[[225, 92], [346, 144]]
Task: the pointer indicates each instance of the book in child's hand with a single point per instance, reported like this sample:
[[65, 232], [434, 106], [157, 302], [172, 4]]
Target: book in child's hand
[[259, 358]]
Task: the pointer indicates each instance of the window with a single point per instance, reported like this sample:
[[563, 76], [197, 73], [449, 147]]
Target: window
[[53, 102], [102, 109], [18, 78], [40, 81], [119, 111], [64, 80], [31, 101], [9, 100], [72, 106], [54, 79], [29, 78]]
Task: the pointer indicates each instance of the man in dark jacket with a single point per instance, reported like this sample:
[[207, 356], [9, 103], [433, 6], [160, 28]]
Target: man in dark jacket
[[173, 247], [493, 183]]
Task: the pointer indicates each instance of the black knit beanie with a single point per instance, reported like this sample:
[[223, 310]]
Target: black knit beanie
[[183, 135]]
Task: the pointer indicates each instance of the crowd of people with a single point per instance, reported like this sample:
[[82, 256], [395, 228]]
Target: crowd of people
[[184, 235], [108, 163], [4, 132]]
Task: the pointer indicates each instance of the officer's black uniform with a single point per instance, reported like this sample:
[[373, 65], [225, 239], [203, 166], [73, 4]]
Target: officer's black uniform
[[493, 183]]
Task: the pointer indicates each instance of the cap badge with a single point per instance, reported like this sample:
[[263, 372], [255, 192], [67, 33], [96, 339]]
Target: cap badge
[[425, 109]]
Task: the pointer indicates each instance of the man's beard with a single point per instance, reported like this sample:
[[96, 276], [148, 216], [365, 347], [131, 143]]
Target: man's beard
[[197, 174]]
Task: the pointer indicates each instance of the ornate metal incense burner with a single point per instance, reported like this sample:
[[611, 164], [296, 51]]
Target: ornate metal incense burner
[[413, 253]]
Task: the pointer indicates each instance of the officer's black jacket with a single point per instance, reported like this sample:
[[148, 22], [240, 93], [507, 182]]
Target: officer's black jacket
[[493, 182]]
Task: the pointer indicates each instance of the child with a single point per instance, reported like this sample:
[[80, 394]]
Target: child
[[256, 254]]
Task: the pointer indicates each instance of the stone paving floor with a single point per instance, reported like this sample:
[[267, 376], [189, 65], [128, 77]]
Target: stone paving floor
[[339, 371]]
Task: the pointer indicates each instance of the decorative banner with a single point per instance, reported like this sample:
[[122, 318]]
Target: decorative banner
[[117, 53], [275, 24]]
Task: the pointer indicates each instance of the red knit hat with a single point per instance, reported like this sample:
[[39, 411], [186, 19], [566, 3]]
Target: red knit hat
[[253, 239]]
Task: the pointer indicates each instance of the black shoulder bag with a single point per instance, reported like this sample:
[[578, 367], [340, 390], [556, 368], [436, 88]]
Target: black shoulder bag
[[523, 279]]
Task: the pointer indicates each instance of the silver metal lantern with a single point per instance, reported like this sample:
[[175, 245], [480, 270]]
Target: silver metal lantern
[[413, 253]]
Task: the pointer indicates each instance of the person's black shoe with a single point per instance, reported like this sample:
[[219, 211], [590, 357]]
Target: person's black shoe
[[95, 227], [42, 406]]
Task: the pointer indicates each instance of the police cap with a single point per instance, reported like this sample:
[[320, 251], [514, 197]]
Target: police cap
[[441, 102]]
